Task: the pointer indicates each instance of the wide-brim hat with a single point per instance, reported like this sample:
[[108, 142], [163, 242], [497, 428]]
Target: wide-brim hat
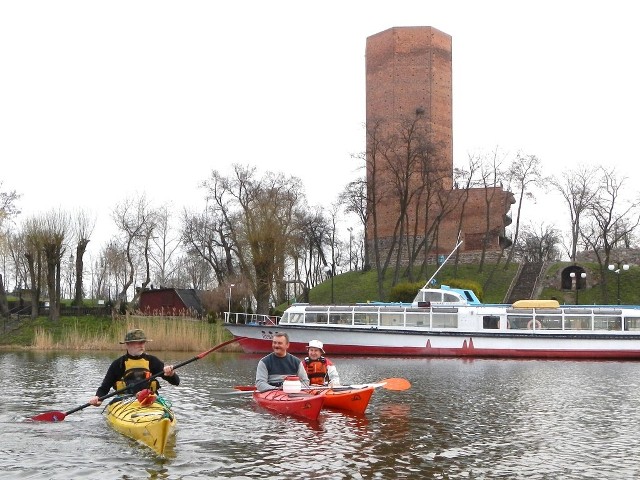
[[135, 335], [316, 344]]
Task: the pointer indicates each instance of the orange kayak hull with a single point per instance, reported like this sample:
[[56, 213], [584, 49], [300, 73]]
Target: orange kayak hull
[[353, 400], [301, 405]]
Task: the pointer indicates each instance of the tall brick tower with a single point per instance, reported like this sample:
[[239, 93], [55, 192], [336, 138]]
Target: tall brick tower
[[410, 144]]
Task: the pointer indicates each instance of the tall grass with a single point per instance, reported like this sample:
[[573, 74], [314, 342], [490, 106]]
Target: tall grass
[[164, 333]]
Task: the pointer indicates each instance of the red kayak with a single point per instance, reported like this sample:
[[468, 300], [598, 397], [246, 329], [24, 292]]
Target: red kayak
[[303, 405], [354, 400]]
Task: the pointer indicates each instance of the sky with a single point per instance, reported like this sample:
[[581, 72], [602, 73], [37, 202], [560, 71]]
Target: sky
[[104, 101]]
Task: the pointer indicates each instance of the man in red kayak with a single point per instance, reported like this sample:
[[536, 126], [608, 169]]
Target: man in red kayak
[[133, 367], [279, 364], [320, 370]]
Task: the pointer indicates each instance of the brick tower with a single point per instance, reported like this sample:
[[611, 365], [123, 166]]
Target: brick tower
[[410, 143]]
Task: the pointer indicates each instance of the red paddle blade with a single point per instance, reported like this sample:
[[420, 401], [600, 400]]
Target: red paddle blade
[[397, 384], [49, 417], [245, 388]]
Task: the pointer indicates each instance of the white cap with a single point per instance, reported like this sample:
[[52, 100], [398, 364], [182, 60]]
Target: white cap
[[316, 344]]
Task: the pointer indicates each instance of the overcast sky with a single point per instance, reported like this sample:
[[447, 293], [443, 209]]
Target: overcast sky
[[102, 101]]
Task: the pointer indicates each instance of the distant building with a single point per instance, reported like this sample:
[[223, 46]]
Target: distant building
[[171, 302], [408, 76]]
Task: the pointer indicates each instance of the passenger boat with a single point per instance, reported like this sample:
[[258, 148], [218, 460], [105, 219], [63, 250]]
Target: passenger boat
[[149, 424], [301, 405], [454, 323]]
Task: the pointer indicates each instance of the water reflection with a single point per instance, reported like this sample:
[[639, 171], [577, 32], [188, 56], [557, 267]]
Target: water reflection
[[461, 419]]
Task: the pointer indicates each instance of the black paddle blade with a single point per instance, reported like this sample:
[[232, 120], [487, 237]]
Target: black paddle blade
[[49, 417]]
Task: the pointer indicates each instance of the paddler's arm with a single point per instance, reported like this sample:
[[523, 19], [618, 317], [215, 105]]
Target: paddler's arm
[[302, 375], [332, 373], [170, 375], [262, 377]]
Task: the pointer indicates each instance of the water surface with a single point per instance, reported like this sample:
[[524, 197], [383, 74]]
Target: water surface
[[462, 418]]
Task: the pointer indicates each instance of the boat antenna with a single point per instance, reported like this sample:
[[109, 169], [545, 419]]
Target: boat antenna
[[445, 261]]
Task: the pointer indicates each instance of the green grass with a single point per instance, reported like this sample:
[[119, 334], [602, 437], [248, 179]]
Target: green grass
[[354, 287]]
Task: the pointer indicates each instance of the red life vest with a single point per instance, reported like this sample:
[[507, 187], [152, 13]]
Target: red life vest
[[316, 370]]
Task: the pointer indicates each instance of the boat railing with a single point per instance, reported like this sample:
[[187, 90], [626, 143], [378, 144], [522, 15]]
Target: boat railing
[[250, 318], [600, 319]]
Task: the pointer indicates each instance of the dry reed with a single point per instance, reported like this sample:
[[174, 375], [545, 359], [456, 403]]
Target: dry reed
[[166, 334]]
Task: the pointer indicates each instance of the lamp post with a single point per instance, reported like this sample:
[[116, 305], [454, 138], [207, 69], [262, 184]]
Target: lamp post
[[617, 269], [350, 243], [574, 276], [329, 271], [231, 285]]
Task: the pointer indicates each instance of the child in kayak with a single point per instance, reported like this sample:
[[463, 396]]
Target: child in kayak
[[320, 370]]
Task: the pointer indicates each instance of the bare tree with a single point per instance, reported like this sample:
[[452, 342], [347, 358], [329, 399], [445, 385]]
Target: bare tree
[[490, 175], [136, 221], [165, 246], [208, 236], [523, 174], [354, 200], [83, 229], [579, 188], [8, 210], [260, 214], [538, 243], [55, 229], [463, 181], [610, 219]]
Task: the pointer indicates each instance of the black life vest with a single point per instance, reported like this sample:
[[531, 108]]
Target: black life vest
[[136, 370], [316, 370]]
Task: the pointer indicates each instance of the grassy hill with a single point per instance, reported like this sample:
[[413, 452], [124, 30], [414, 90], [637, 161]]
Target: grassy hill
[[352, 287]]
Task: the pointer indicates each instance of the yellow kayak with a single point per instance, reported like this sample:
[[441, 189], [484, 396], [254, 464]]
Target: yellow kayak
[[149, 424]]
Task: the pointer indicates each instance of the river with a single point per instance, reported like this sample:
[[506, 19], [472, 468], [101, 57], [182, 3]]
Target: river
[[467, 419]]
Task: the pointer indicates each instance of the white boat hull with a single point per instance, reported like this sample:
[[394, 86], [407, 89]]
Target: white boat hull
[[521, 344]]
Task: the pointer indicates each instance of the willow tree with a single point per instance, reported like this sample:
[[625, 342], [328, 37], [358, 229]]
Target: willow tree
[[7, 210], [261, 218], [83, 228], [55, 230]]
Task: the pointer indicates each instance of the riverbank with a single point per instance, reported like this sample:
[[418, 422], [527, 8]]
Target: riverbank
[[177, 334]]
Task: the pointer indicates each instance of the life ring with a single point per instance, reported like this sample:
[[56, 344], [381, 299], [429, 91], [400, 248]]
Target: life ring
[[530, 325]]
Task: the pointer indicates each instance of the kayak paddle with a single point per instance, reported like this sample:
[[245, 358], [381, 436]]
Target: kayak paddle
[[396, 384], [57, 416]]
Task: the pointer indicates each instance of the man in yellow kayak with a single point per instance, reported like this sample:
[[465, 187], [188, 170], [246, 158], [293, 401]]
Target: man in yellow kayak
[[133, 367], [279, 364]]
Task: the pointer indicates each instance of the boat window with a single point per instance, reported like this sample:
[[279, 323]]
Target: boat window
[[448, 297], [632, 323], [365, 318], [601, 322], [520, 311], [432, 297], [292, 317], [340, 318], [313, 317], [445, 318], [575, 322], [420, 319], [391, 319], [491, 322], [519, 322], [607, 311], [549, 322]]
